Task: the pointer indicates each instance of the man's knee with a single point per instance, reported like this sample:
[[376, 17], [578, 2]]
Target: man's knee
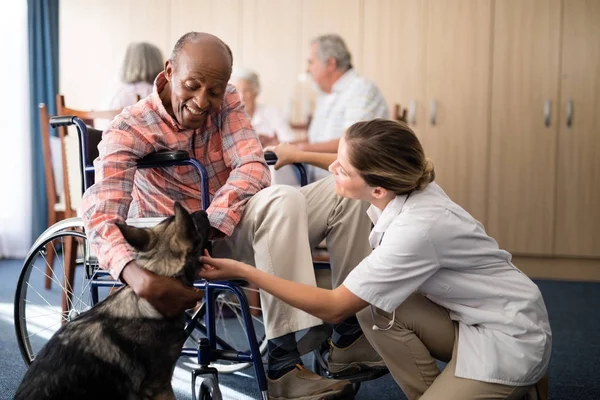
[[282, 199]]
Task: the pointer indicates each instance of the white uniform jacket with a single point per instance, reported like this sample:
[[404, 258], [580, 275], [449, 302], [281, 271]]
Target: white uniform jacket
[[426, 242]]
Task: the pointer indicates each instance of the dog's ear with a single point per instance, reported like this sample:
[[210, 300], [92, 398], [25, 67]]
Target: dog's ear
[[139, 238], [183, 221]]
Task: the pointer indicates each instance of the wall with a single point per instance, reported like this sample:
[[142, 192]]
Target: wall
[[269, 36]]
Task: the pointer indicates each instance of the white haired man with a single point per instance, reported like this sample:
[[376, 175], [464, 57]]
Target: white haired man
[[345, 97]]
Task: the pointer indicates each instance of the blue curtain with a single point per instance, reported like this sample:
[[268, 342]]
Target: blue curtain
[[43, 80]]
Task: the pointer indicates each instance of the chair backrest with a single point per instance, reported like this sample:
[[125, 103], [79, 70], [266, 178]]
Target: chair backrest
[[94, 136], [70, 145], [51, 193], [399, 113]]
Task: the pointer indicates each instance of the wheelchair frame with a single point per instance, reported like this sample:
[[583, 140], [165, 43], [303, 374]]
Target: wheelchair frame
[[207, 350]]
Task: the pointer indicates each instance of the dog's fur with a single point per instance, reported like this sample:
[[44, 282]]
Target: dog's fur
[[123, 348]]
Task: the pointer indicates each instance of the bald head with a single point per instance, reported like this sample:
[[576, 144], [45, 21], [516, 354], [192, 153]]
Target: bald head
[[201, 39], [197, 74]]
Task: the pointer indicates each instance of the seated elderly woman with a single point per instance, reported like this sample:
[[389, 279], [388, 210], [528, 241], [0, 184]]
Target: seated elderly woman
[[268, 121], [142, 63]]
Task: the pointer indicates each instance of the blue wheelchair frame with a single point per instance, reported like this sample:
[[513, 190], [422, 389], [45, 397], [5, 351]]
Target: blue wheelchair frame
[[207, 349]]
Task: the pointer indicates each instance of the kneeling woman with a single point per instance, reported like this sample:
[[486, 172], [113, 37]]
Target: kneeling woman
[[436, 285]]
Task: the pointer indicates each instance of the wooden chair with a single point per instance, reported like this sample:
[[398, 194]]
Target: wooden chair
[[70, 154], [72, 176], [399, 113], [55, 205]]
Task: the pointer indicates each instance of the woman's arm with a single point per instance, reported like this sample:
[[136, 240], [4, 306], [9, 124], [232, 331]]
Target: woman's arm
[[329, 305], [290, 154]]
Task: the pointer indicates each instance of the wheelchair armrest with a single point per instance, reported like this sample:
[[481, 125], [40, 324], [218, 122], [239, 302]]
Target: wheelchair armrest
[[163, 157]]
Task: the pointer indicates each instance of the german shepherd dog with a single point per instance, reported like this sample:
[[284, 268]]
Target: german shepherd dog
[[123, 348]]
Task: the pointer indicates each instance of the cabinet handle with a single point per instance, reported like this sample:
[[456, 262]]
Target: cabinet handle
[[433, 112], [547, 109], [412, 112], [569, 113]]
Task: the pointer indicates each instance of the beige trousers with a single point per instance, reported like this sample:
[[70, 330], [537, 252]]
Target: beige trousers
[[421, 333], [279, 227]]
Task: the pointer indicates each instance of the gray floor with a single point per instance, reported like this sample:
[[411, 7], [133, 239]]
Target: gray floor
[[574, 312]]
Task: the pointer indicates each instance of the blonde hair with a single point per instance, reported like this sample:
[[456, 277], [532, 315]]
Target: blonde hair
[[142, 63], [388, 154]]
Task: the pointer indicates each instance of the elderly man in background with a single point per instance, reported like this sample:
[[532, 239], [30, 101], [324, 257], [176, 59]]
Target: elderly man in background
[[345, 97]]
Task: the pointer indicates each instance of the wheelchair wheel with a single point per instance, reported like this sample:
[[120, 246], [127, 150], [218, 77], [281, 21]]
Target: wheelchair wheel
[[209, 389], [40, 312], [231, 332]]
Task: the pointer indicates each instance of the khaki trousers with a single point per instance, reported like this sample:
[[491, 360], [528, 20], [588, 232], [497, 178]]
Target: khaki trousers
[[421, 333], [279, 227]]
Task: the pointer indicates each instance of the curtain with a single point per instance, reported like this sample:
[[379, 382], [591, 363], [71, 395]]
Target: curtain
[[43, 79]]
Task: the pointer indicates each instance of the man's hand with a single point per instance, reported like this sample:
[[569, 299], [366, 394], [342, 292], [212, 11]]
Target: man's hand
[[167, 295]]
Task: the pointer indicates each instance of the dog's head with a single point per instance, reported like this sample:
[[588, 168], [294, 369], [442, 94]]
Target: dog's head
[[173, 247]]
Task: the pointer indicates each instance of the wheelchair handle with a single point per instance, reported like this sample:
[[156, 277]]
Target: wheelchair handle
[[271, 159], [65, 120]]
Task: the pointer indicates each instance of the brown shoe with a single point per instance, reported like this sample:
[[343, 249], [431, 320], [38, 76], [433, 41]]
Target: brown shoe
[[303, 384], [357, 357]]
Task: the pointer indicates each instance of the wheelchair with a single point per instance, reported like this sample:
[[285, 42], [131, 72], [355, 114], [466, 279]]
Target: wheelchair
[[223, 335]]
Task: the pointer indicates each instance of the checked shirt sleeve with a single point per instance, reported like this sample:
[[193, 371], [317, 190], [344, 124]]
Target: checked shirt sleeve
[[243, 154]]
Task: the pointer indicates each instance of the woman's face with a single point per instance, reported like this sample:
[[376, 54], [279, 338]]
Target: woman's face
[[348, 182], [247, 92]]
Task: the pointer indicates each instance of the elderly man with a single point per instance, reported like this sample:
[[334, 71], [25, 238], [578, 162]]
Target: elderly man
[[193, 108], [345, 97]]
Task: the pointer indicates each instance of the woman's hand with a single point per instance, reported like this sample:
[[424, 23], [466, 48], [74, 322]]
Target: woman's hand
[[286, 154], [217, 269]]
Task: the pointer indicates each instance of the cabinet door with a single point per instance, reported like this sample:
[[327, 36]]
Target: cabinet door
[[273, 47], [578, 191], [523, 142], [455, 135], [394, 53]]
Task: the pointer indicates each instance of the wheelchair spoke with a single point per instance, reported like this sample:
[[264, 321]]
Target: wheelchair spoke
[[38, 293], [43, 330]]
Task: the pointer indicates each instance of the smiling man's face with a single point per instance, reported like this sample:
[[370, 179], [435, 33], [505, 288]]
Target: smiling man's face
[[197, 82]]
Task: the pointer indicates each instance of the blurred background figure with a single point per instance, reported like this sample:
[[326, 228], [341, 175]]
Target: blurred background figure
[[345, 97], [268, 121], [142, 63]]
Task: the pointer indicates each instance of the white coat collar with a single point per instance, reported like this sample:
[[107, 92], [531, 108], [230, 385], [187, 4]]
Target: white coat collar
[[383, 219]]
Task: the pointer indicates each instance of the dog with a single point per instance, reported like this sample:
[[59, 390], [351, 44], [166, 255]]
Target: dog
[[123, 348]]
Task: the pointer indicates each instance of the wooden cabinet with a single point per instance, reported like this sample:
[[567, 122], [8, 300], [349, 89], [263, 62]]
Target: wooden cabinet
[[455, 129], [433, 57], [578, 180], [523, 139], [394, 53], [278, 73]]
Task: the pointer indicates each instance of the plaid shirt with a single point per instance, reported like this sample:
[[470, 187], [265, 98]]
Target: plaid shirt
[[227, 146]]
